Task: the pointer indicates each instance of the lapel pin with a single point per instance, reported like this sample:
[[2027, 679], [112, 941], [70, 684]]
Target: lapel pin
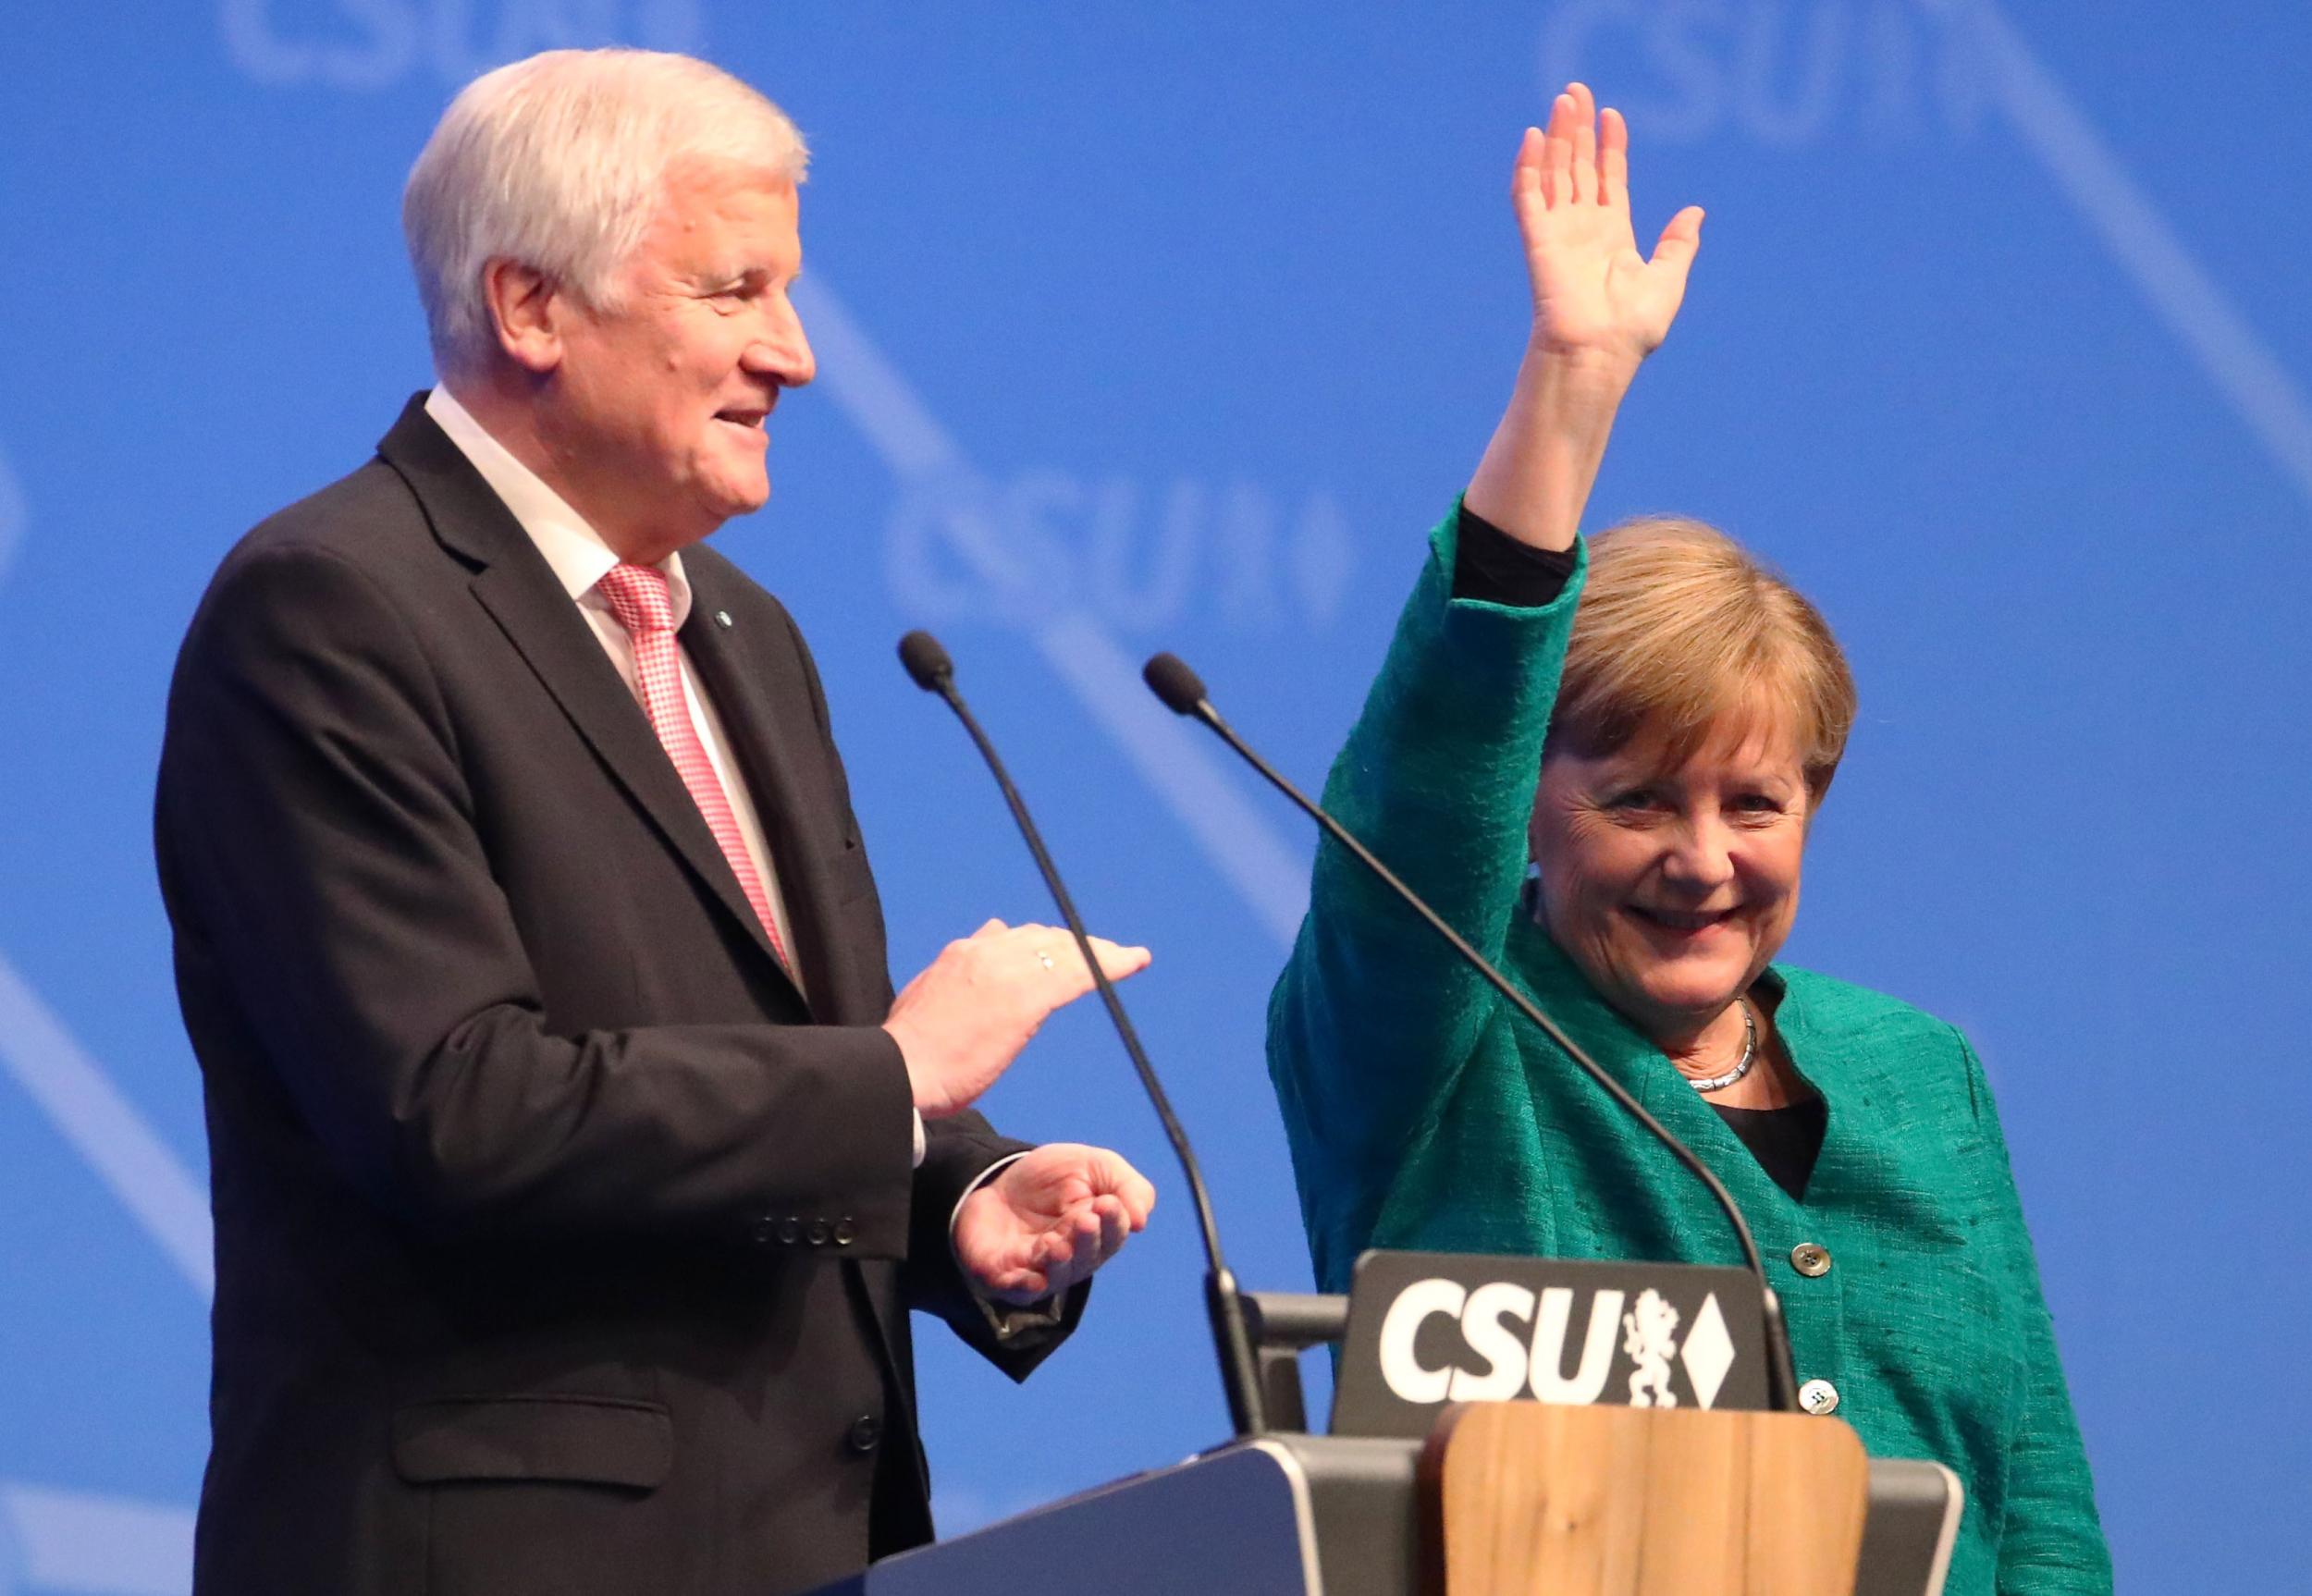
[[723, 618]]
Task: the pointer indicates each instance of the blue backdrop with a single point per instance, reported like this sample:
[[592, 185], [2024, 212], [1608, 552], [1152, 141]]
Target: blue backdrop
[[1176, 327]]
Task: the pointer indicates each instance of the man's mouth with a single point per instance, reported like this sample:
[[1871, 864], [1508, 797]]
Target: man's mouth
[[750, 419]]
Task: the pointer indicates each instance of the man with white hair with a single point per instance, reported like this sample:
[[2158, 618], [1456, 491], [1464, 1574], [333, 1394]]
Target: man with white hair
[[574, 1166]]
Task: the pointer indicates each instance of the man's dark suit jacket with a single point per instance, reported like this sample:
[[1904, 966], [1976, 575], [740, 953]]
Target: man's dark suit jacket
[[563, 1246]]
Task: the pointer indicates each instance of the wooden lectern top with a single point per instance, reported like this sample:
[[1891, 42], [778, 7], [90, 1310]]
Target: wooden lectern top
[[1522, 1498]]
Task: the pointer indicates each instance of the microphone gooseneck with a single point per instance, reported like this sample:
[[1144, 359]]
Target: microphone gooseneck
[[1171, 680], [927, 664]]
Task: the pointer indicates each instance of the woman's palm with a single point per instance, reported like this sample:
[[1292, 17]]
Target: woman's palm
[[1592, 291]]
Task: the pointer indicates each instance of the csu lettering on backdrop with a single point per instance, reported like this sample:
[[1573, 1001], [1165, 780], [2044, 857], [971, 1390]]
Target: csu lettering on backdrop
[[1135, 556], [367, 44], [1781, 72]]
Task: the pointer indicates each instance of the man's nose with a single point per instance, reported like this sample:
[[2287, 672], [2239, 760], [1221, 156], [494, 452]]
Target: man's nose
[[782, 351]]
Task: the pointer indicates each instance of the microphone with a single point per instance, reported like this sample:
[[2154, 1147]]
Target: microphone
[[930, 668], [927, 664], [1169, 676]]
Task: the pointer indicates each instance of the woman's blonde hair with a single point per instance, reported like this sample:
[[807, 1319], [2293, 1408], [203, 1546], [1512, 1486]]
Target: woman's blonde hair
[[1681, 633]]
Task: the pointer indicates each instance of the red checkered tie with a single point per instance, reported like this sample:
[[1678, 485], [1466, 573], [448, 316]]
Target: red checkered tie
[[639, 599]]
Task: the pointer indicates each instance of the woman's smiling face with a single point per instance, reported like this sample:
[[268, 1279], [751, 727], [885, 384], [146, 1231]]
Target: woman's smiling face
[[1672, 885]]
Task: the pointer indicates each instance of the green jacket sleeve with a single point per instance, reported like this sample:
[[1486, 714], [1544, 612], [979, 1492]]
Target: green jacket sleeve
[[1374, 1015]]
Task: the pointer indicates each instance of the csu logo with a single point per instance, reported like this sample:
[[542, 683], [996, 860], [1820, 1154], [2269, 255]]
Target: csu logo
[[1783, 75], [1137, 557], [1432, 1328], [375, 44], [1520, 1342]]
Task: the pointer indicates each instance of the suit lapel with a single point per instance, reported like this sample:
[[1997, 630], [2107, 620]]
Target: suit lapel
[[514, 582], [765, 706]]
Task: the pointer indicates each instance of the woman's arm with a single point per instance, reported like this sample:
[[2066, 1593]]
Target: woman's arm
[[1374, 1015]]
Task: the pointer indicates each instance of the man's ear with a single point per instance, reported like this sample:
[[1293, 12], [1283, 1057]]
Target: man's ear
[[527, 309]]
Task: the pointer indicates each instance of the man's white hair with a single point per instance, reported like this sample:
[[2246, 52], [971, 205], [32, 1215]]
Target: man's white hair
[[560, 162]]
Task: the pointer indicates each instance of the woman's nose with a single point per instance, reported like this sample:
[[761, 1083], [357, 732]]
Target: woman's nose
[[1702, 855]]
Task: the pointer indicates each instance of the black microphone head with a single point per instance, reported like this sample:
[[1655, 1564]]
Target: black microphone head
[[926, 660], [1170, 678]]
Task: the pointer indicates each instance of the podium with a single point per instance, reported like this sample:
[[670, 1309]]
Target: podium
[[1606, 1501], [1284, 1514], [1506, 1498], [1343, 1516]]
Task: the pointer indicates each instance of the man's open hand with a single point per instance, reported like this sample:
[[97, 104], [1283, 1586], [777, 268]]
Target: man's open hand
[[1048, 1220], [961, 1023]]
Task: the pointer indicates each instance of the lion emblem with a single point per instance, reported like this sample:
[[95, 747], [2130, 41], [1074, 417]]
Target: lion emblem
[[1648, 1336]]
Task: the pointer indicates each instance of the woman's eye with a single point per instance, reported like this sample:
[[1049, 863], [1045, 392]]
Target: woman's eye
[[1641, 798]]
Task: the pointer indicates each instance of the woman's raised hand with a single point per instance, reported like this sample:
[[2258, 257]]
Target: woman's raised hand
[[1593, 295], [1599, 309]]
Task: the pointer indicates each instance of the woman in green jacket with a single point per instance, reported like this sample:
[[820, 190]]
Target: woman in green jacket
[[1685, 711]]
